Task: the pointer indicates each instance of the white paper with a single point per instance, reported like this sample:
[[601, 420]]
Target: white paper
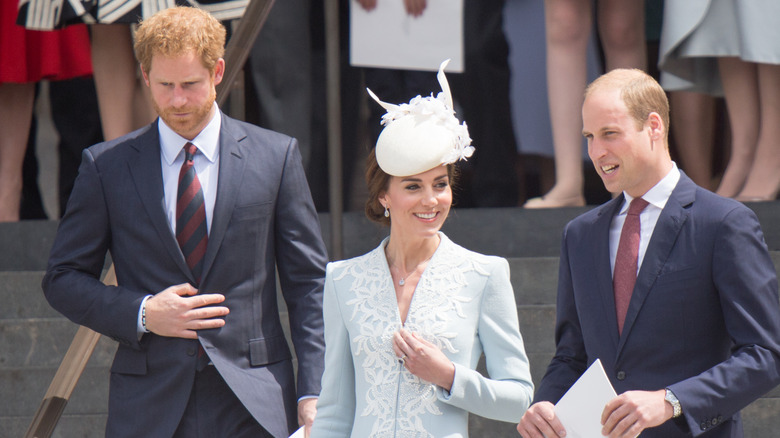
[[298, 433], [388, 37], [580, 409]]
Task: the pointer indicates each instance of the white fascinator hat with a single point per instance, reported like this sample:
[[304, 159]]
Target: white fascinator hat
[[421, 134]]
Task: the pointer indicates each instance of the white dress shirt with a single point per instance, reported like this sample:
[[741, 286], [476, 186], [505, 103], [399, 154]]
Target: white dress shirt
[[657, 198]]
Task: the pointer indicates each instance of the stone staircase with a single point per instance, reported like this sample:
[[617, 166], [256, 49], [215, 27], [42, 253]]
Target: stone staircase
[[34, 338]]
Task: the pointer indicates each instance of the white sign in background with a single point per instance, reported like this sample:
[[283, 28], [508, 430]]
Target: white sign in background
[[387, 37]]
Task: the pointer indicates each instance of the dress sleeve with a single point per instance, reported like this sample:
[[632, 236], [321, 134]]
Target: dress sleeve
[[336, 405], [507, 393]]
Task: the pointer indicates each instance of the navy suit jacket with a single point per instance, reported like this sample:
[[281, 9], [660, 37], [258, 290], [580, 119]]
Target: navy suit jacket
[[263, 220], [703, 319]]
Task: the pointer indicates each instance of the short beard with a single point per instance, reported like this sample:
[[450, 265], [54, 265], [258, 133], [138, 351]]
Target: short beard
[[196, 120]]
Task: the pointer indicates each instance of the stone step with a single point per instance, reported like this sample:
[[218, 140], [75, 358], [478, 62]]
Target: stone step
[[42, 343], [23, 296], [69, 426]]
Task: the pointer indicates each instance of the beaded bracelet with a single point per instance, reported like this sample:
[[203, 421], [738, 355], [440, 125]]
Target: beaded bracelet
[[143, 318]]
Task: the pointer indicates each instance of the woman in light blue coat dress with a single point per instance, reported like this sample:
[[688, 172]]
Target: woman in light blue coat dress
[[406, 324]]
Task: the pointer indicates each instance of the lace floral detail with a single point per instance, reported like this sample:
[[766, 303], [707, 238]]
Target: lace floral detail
[[396, 398]]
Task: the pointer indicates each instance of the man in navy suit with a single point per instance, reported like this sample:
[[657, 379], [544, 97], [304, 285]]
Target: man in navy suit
[[201, 348], [697, 338]]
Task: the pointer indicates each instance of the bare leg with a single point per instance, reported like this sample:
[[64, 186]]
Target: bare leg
[[568, 24], [763, 181], [16, 108], [622, 32], [123, 105], [693, 120], [740, 84]]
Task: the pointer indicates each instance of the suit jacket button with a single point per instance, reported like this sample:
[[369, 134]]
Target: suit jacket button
[[714, 421], [191, 351], [703, 425], [621, 375], [720, 418]]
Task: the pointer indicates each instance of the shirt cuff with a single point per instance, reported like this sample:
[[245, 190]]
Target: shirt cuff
[[141, 324]]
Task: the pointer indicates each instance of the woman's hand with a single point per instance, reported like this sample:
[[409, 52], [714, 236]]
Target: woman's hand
[[423, 359]]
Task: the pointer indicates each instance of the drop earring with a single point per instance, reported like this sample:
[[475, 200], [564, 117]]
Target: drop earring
[[387, 212]]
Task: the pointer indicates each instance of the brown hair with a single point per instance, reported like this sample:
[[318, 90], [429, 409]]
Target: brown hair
[[641, 94], [377, 182], [178, 31]]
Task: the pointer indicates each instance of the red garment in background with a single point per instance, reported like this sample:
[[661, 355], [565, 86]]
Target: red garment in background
[[31, 55]]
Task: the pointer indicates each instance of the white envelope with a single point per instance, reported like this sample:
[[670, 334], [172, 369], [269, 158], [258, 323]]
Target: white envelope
[[580, 409]]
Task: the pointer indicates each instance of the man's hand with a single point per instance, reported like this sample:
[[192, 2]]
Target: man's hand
[[175, 312], [628, 414], [540, 421], [307, 410], [423, 359]]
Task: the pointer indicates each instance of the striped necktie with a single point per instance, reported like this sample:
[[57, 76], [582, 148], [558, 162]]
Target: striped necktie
[[624, 277], [191, 232]]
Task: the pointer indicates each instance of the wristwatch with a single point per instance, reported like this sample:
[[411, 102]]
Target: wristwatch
[[672, 399]]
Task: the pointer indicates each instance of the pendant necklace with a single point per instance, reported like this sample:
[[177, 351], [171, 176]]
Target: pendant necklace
[[402, 281]]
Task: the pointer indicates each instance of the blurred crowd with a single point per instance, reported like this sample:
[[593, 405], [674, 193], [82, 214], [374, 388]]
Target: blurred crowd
[[527, 63]]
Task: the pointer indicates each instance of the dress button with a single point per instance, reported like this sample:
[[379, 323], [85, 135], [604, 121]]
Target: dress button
[[191, 351], [621, 375]]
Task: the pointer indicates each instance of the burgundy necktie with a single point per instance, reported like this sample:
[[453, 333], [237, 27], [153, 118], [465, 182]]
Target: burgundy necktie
[[191, 232], [624, 277]]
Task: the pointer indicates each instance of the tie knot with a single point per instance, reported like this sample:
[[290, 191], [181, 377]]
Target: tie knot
[[189, 151], [637, 205]]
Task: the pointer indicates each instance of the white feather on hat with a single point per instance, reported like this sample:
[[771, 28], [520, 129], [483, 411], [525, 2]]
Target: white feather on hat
[[421, 134]]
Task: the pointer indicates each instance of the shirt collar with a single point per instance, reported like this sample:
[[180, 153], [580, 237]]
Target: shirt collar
[[660, 193], [207, 140]]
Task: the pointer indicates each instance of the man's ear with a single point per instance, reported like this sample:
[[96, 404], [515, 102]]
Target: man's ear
[[656, 125], [145, 75], [219, 71]]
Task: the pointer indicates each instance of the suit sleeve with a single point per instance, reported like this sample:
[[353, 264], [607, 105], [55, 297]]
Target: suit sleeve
[[71, 283], [570, 359], [336, 405], [507, 393], [746, 282], [301, 259]]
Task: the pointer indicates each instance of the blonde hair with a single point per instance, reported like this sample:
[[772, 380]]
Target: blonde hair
[[179, 31], [640, 93]]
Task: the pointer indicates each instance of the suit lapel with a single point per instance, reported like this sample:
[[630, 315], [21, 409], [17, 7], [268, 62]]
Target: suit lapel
[[602, 266], [146, 172], [670, 222], [232, 163]]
